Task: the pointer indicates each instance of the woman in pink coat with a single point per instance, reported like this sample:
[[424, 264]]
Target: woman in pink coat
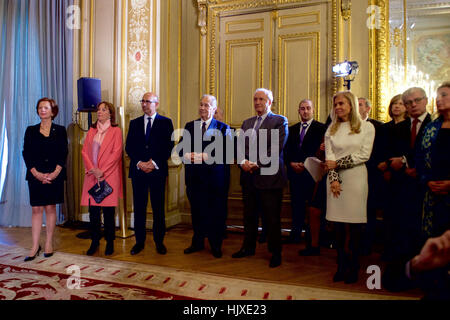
[[102, 157]]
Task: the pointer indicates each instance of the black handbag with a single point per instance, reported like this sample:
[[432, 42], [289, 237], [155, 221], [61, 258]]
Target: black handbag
[[100, 191]]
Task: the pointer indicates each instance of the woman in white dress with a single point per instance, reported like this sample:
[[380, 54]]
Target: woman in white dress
[[348, 144]]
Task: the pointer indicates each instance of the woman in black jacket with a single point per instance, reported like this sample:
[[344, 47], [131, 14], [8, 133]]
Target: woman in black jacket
[[45, 152]]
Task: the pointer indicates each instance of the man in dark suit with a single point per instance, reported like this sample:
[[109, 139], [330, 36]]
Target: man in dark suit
[[374, 178], [263, 176], [304, 140], [409, 197], [204, 150], [149, 145]]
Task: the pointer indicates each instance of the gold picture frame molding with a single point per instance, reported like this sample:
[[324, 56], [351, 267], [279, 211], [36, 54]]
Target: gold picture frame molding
[[211, 10]]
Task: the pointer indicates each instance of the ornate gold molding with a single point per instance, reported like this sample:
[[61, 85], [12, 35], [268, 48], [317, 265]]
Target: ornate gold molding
[[229, 75], [379, 61], [334, 36], [346, 9], [210, 10], [138, 54], [202, 16], [314, 71]]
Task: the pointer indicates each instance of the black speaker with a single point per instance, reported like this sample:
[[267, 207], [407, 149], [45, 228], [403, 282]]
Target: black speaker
[[89, 94]]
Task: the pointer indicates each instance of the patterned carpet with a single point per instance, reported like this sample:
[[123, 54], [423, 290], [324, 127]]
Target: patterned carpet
[[75, 277]]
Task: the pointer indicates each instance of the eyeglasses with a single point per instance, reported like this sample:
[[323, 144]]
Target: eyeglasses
[[416, 100], [148, 101]]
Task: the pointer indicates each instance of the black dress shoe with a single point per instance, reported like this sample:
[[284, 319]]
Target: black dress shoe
[[339, 276], [262, 238], [351, 277], [217, 253], [136, 249], [275, 261], [192, 249], [48, 255], [35, 255], [93, 248], [109, 248], [243, 253], [310, 251], [291, 240], [161, 248]]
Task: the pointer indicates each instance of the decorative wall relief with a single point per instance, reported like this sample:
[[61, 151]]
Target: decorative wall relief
[[432, 55], [138, 55]]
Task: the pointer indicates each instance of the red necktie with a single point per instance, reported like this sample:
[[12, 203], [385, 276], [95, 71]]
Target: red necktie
[[414, 132]]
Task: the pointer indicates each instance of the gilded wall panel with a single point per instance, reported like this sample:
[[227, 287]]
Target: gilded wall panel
[[138, 54], [298, 71], [244, 74], [299, 19]]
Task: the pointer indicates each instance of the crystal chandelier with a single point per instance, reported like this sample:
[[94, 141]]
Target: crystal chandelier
[[401, 80]]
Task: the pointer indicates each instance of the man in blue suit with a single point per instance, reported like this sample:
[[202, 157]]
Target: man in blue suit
[[263, 174], [149, 145], [204, 151]]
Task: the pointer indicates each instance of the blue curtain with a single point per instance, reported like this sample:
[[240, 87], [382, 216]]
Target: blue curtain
[[35, 61]]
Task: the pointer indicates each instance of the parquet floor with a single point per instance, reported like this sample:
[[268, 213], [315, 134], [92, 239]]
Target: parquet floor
[[296, 270]]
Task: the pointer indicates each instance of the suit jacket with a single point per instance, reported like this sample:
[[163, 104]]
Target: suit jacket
[[435, 284], [216, 173], [402, 137], [311, 143], [158, 148], [109, 161], [45, 157], [372, 163], [256, 179]]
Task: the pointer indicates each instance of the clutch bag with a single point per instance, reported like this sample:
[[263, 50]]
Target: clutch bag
[[100, 191]]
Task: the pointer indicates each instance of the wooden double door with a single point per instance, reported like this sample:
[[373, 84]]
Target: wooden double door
[[287, 51]]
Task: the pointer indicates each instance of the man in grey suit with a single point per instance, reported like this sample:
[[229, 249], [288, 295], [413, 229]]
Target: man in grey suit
[[263, 176]]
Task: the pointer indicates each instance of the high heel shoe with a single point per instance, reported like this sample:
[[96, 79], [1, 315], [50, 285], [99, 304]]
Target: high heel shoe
[[32, 258], [48, 255]]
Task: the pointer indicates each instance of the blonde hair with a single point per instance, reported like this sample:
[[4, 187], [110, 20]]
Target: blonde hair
[[354, 116]]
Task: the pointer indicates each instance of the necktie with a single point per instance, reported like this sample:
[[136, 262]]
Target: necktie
[[203, 128], [255, 130], [258, 123], [414, 132], [302, 133], [149, 127]]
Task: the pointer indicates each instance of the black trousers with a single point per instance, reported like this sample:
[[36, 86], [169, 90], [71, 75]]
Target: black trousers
[[270, 202], [208, 211], [301, 187], [407, 219], [141, 186], [95, 223]]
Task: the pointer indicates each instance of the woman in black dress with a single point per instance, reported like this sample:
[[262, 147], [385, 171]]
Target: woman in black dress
[[45, 152], [390, 197]]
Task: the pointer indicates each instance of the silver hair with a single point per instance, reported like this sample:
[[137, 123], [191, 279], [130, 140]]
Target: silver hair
[[410, 91], [367, 101], [212, 98], [267, 92]]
